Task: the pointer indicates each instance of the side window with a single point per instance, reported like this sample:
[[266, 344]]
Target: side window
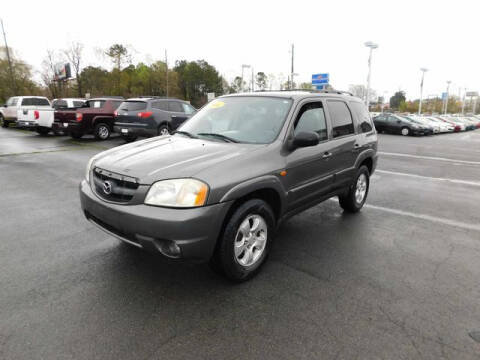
[[27, 101], [41, 102], [174, 106], [311, 118], [342, 122], [59, 104], [13, 101], [364, 120], [116, 104], [78, 104], [160, 105], [188, 109]]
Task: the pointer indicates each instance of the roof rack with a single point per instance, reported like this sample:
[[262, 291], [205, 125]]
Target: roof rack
[[312, 91]]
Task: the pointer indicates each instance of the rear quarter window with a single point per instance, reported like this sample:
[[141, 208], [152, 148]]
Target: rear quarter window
[[133, 105], [342, 122], [175, 106], [160, 105], [363, 117]]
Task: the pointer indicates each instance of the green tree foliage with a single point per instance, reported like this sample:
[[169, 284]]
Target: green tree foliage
[[22, 78], [306, 86], [261, 80], [196, 79], [118, 54], [397, 101]]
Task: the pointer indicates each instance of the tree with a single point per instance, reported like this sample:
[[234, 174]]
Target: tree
[[306, 86], [397, 101], [261, 80], [237, 84], [74, 56], [119, 55]]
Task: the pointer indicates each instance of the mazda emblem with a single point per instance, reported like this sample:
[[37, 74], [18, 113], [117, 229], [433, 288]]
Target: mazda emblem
[[107, 187]]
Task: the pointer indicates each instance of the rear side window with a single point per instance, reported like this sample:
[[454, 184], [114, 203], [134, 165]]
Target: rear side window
[[174, 106], [364, 120], [78, 103], [312, 119], [133, 105], [57, 104], [41, 102], [161, 105], [95, 103], [342, 122]]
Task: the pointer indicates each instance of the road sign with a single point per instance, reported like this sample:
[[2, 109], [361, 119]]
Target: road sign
[[320, 87], [472, 93], [444, 96], [318, 79]]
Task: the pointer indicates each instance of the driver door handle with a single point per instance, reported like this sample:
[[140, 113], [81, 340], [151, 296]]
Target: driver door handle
[[326, 155]]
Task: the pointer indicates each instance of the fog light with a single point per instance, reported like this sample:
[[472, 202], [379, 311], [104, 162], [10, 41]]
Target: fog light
[[169, 248]]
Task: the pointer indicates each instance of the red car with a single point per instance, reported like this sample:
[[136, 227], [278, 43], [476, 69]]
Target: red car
[[95, 117]]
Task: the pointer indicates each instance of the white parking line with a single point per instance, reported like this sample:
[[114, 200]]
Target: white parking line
[[454, 181], [430, 158], [434, 219]]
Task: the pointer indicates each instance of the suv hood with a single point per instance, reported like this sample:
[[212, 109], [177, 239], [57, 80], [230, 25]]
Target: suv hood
[[169, 157]]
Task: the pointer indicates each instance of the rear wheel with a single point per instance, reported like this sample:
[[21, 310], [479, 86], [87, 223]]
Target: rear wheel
[[102, 131], [163, 130], [244, 245], [356, 196], [43, 131], [3, 121], [405, 131]]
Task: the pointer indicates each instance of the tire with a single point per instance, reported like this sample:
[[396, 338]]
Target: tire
[[163, 130], [102, 131], [245, 263], [129, 138], [43, 131], [352, 202], [3, 121], [76, 135], [405, 131]]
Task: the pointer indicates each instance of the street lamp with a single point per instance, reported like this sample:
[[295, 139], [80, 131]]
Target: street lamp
[[244, 66], [372, 46], [446, 99], [423, 70]]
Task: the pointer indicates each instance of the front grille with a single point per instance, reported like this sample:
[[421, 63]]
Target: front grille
[[114, 187]]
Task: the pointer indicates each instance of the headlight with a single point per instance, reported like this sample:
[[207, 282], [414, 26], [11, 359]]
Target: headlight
[[89, 168], [177, 193]]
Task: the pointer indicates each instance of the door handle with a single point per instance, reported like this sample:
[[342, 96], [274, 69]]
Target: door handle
[[326, 155], [356, 147]]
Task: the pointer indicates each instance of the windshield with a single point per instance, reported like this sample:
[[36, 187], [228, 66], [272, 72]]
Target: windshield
[[248, 119]]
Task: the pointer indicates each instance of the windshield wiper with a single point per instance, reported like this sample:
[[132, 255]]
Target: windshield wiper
[[220, 136], [186, 133]]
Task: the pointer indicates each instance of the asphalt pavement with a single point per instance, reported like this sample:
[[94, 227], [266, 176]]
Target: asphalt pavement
[[399, 280]]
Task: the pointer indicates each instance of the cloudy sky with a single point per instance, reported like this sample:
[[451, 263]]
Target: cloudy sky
[[329, 36]]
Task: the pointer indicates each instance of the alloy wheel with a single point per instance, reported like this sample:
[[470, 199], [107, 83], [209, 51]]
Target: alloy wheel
[[251, 240], [361, 188]]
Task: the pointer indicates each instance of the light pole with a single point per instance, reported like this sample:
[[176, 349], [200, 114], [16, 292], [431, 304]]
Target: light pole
[[383, 100], [244, 66], [372, 46], [463, 100], [423, 70], [446, 98]]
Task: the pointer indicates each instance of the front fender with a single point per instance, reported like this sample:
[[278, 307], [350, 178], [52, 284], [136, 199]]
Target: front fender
[[266, 182]]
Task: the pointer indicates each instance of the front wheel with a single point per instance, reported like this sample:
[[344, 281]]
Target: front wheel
[[245, 242], [102, 131], [356, 196], [405, 131]]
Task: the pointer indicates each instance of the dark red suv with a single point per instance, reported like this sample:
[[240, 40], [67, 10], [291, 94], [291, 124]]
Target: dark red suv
[[95, 117]]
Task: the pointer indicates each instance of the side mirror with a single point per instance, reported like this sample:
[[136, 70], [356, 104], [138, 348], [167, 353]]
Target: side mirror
[[304, 139]]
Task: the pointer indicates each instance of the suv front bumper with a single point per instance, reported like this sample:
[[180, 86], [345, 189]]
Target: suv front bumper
[[193, 231]]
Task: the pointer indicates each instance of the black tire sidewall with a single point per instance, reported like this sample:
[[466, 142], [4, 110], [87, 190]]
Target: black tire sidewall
[[361, 170], [163, 126], [231, 268], [97, 129]]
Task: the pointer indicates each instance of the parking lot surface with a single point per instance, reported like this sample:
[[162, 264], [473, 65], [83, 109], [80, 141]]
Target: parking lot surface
[[399, 280]]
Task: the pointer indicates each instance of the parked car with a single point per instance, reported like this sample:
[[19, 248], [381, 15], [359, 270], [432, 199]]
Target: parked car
[[219, 186], [457, 125], [151, 116], [444, 127], [424, 121], [95, 117], [469, 125], [396, 124], [26, 111]]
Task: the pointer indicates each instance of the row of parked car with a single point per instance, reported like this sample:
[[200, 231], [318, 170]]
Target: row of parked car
[[411, 124], [143, 116]]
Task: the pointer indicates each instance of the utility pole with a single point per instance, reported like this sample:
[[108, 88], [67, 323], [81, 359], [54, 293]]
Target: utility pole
[[12, 78], [166, 65], [446, 100], [372, 46], [463, 100], [292, 73], [423, 70]]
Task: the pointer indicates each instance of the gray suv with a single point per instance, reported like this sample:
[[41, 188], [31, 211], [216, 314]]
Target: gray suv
[[150, 116], [218, 188]]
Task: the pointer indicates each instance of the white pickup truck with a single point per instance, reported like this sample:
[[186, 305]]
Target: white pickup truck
[[33, 112]]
